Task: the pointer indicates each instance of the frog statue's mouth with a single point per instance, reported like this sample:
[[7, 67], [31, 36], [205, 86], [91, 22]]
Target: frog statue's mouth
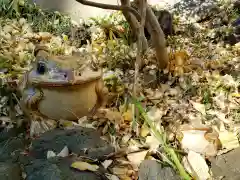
[[52, 75]]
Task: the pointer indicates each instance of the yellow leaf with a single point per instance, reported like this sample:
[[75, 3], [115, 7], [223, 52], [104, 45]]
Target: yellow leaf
[[80, 165], [110, 35], [65, 37], [229, 140], [236, 94], [66, 123], [127, 116], [144, 130]]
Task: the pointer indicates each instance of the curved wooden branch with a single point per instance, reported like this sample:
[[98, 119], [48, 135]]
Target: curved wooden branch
[[158, 38], [134, 24], [110, 6]]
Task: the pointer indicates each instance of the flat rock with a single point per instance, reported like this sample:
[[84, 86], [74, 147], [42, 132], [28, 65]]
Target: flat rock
[[9, 147], [41, 169], [10, 171], [57, 169], [6, 133], [152, 170], [227, 165], [81, 141]]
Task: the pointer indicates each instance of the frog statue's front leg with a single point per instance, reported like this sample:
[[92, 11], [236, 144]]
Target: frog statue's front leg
[[102, 93], [31, 98]]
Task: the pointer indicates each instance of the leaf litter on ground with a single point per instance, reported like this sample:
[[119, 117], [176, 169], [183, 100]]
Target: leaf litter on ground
[[201, 92]]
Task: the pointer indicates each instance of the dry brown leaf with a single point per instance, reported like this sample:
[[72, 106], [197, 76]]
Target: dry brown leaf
[[199, 107], [124, 173], [114, 116], [137, 158], [195, 140], [107, 163], [125, 139], [153, 142]]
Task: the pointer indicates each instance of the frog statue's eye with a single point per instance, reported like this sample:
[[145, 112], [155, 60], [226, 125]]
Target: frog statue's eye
[[41, 67]]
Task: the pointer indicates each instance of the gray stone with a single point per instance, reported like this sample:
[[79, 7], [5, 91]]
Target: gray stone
[[80, 141], [58, 169], [227, 165], [42, 169], [9, 133], [152, 170], [10, 171], [9, 147]]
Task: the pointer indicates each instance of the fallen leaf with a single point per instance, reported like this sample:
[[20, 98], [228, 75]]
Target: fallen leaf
[[125, 139], [199, 167], [220, 100], [120, 170], [111, 177], [199, 107], [194, 140], [229, 140], [236, 95], [107, 163], [64, 152], [222, 117], [153, 142], [80, 165], [65, 123], [113, 116], [127, 116], [50, 154], [144, 130], [137, 158], [155, 114]]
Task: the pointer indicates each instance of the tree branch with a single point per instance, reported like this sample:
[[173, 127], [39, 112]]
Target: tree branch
[[134, 24], [110, 6]]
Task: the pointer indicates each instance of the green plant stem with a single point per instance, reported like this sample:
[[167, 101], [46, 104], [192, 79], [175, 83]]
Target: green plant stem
[[179, 166], [170, 151]]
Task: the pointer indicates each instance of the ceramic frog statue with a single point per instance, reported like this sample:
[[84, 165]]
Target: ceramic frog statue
[[61, 88]]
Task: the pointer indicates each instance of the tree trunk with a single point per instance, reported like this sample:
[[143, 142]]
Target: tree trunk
[[157, 38]]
